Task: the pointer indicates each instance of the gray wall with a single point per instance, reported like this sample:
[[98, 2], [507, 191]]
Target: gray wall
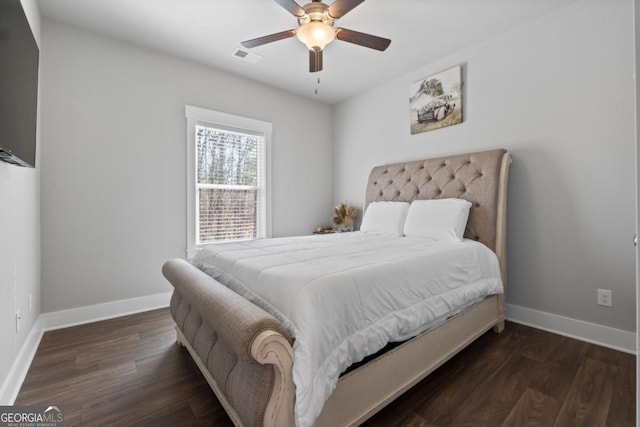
[[559, 94], [19, 243], [114, 162]]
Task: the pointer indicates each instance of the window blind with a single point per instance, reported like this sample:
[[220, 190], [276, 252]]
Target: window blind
[[230, 184]]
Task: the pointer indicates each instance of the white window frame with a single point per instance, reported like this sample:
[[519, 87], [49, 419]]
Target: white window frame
[[197, 115]]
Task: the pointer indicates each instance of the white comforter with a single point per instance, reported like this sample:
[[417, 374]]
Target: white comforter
[[345, 296]]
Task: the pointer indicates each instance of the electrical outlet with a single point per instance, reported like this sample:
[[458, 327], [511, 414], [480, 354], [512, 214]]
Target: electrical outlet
[[18, 319], [604, 297]]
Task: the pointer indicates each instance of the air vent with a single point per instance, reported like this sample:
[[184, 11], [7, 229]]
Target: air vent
[[246, 55], [241, 53]]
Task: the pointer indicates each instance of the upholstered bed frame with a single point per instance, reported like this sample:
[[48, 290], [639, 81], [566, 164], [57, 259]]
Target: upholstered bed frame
[[246, 355]]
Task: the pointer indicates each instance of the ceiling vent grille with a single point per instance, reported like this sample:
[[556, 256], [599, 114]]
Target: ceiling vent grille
[[246, 55]]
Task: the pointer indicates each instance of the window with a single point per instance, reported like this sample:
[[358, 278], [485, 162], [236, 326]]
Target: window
[[228, 194]]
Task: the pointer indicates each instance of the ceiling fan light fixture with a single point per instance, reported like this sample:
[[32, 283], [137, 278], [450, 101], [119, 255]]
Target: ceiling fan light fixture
[[316, 34], [316, 29]]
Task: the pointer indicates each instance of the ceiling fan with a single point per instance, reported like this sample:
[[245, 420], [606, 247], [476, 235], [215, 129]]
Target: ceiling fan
[[315, 29]]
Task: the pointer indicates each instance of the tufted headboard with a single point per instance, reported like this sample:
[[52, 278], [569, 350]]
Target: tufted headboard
[[480, 178]]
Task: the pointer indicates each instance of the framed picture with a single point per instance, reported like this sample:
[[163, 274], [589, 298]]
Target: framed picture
[[436, 101]]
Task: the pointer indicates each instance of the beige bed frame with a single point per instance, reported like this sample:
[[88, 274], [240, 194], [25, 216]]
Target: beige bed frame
[[220, 329]]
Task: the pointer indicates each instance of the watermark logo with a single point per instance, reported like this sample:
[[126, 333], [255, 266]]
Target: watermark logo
[[31, 416]]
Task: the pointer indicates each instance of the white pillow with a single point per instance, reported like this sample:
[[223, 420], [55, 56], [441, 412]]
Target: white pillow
[[438, 219], [385, 217]]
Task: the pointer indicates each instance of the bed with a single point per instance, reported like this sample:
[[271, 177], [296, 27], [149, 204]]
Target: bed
[[245, 350]]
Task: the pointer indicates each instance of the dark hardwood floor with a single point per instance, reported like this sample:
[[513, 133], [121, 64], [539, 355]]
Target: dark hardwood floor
[[130, 371]]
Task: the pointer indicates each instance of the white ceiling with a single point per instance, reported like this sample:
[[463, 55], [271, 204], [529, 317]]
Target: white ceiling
[[209, 31]]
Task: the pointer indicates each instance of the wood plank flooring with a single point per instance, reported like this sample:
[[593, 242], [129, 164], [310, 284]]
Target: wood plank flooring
[[130, 371]]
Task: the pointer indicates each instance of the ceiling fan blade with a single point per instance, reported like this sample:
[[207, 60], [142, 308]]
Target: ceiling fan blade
[[268, 39], [341, 7], [292, 7], [362, 39], [315, 60]]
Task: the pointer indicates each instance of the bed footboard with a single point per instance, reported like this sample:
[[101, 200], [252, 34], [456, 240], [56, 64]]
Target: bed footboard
[[244, 353]]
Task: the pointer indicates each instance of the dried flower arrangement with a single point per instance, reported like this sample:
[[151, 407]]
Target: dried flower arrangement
[[344, 216]]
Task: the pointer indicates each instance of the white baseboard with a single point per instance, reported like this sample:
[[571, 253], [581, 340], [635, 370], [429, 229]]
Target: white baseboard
[[108, 310], [605, 336], [65, 318], [590, 332], [17, 373]]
